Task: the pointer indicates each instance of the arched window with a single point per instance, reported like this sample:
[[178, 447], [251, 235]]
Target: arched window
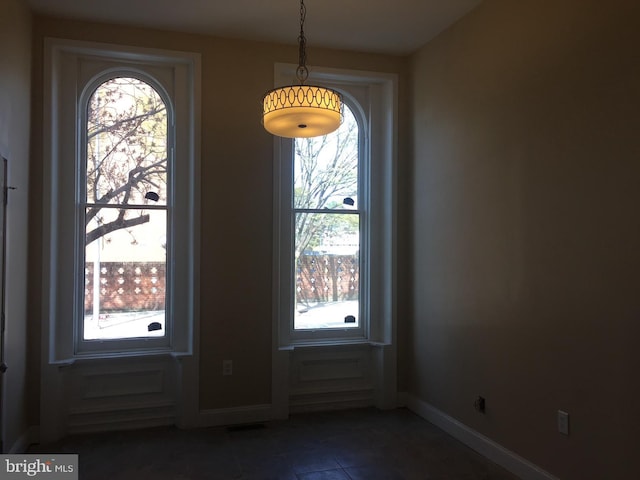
[[125, 208], [334, 214], [122, 203], [327, 231]]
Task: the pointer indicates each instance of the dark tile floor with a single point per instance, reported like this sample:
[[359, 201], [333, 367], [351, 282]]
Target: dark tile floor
[[364, 444]]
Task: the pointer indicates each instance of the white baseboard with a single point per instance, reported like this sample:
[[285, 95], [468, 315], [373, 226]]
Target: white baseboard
[[235, 416], [29, 437], [483, 445]]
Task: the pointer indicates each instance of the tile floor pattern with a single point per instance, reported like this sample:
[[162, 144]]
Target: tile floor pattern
[[362, 444]]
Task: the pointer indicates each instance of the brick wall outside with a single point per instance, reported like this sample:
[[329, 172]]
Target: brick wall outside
[[327, 278], [127, 286], [140, 286]]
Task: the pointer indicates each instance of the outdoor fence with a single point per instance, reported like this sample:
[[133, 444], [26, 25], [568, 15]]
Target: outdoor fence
[[327, 278], [140, 286], [127, 286]]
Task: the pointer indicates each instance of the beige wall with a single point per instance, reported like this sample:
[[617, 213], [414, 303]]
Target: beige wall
[[15, 72], [236, 181], [526, 229]]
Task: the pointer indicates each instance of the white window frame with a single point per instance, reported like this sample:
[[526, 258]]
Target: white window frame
[[372, 97], [72, 70]]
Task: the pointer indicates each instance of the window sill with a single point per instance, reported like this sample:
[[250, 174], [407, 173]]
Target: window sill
[[331, 343], [97, 356]]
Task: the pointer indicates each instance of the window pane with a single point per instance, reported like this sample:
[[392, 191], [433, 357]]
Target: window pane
[[126, 144], [125, 274], [326, 168], [327, 270]]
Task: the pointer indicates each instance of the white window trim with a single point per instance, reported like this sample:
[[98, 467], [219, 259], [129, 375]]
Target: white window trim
[[60, 151], [377, 94]]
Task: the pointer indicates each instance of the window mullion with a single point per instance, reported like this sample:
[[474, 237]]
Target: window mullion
[[126, 206], [327, 210]]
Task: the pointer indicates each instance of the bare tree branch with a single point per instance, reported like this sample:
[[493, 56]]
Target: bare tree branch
[[113, 226], [126, 152], [142, 173]]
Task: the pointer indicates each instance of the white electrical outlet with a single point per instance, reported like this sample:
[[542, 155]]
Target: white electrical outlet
[[563, 422], [227, 367]]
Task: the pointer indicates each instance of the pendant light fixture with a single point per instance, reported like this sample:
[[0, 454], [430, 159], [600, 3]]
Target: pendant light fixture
[[301, 110]]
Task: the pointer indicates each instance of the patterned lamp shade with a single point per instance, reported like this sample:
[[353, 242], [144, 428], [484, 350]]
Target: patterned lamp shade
[[301, 111]]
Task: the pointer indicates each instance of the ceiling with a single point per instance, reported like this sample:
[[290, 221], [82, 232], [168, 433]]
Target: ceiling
[[381, 26]]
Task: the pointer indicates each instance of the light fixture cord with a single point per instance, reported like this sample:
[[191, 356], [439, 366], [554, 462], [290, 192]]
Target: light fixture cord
[[302, 73]]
